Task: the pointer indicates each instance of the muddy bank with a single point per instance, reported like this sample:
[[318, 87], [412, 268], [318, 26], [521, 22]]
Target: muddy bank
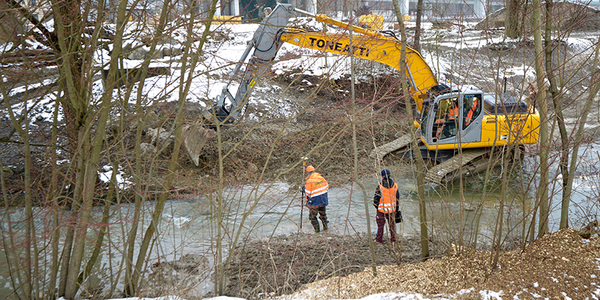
[[285, 263]]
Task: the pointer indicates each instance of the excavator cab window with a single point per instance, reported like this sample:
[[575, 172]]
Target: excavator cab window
[[503, 104], [471, 108], [424, 117], [446, 116]]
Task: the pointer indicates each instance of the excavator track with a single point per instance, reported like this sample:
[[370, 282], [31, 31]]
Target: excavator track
[[470, 162], [447, 170], [383, 150]]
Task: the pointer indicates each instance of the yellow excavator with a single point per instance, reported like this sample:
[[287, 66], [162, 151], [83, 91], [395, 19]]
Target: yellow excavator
[[452, 120]]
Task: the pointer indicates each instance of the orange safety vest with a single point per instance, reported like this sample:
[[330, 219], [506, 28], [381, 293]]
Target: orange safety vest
[[440, 127], [453, 113], [387, 203], [469, 117]]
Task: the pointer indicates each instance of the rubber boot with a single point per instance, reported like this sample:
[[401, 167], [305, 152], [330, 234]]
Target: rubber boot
[[315, 225], [325, 223]]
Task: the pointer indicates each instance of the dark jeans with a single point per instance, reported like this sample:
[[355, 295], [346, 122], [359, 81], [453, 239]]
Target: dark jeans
[[380, 219], [313, 212]]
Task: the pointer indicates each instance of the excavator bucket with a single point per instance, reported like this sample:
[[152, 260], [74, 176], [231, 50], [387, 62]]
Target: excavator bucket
[[195, 137]]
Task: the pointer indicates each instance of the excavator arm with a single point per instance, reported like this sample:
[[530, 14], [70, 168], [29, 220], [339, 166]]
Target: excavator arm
[[366, 44], [379, 48], [264, 46]]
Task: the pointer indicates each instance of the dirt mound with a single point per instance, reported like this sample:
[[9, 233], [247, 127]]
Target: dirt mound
[[566, 16], [558, 264]]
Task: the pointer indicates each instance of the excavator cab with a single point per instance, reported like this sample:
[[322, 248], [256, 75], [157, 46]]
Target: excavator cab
[[472, 119], [451, 119], [446, 118]]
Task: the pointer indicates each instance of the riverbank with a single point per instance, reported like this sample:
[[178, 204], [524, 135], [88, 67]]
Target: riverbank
[[284, 264], [560, 265]]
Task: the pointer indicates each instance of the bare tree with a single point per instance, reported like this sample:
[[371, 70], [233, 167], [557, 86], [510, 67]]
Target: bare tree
[[75, 41], [415, 148]]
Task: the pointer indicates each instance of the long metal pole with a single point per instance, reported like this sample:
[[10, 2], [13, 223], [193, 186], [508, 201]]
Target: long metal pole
[[302, 199]]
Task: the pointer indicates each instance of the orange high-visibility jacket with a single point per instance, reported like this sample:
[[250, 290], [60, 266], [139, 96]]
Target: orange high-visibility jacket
[[316, 190], [453, 113], [387, 203], [469, 117]]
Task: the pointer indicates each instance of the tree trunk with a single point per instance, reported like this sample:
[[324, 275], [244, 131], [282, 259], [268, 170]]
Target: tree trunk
[[500, 221], [512, 21], [417, 39], [54, 196], [68, 47], [28, 262], [593, 92], [543, 107], [415, 148], [560, 120]]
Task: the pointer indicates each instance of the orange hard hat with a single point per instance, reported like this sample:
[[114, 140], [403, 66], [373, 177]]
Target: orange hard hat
[[310, 169]]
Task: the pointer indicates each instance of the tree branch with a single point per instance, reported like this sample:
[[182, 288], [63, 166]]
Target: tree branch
[[25, 13]]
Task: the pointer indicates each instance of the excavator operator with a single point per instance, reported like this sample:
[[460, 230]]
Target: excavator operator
[[446, 122], [453, 113], [472, 113]]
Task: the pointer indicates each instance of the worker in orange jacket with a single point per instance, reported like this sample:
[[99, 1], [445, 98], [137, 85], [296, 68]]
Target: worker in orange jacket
[[386, 201], [315, 191], [443, 125], [471, 114]]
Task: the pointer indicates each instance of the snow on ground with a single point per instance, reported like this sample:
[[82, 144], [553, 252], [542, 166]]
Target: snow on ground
[[222, 56], [43, 108]]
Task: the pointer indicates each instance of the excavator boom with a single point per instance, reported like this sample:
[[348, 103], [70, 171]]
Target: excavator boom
[[264, 46], [379, 48]]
